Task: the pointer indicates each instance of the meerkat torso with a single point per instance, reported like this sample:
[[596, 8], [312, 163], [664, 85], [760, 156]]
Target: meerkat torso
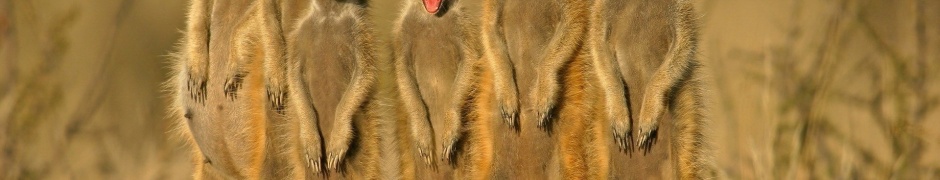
[[221, 69], [641, 35], [328, 45], [529, 151], [329, 59], [639, 38], [438, 47]]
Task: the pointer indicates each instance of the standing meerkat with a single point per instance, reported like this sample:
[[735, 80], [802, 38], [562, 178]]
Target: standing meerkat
[[583, 131], [332, 75], [436, 57], [546, 42], [566, 102], [652, 52], [227, 87]]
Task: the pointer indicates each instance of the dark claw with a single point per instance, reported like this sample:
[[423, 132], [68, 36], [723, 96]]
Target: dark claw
[[448, 152], [331, 163], [541, 117], [316, 168], [544, 119], [509, 117], [197, 89], [645, 141], [315, 162], [278, 101], [336, 162], [424, 154], [617, 140]]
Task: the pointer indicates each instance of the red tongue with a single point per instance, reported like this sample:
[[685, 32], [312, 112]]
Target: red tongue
[[432, 5]]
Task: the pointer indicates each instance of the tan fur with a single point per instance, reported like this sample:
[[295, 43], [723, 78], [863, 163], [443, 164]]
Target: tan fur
[[221, 75], [497, 57], [563, 90], [251, 113], [653, 44], [332, 56], [546, 42], [517, 30], [438, 74], [583, 131], [563, 47], [580, 157]]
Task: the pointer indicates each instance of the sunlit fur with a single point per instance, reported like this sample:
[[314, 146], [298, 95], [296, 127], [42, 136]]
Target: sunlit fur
[[545, 44], [654, 47], [332, 60], [440, 77], [221, 86]]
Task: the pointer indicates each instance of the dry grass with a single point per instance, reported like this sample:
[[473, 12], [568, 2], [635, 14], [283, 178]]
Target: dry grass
[[841, 89], [844, 92], [80, 91]]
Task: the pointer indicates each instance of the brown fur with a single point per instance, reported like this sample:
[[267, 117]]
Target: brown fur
[[545, 42], [655, 52], [331, 52], [581, 133], [497, 57], [221, 76], [439, 77], [251, 113], [587, 114], [516, 31]]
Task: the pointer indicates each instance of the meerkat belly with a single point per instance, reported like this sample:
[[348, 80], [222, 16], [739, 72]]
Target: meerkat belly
[[232, 81], [436, 68], [329, 66], [436, 65], [528, 151], [640, 42]]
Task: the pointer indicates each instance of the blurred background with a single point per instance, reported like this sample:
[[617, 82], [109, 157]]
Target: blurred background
[[822, 89]]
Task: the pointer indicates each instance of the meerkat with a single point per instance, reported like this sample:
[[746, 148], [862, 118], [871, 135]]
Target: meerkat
[[546, 42], [333, 74], [226, 86], [437, 65], [652, 52], [564, 89]]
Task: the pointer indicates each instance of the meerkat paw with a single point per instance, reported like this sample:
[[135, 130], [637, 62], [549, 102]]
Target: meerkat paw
[[425, 151], [620, 119], [651, 111], [545, 96], [508, 100], [313, 152], [451, 137], [233, 84], [336, 155], [450, 146], [623, 136], [421, 133], [196, 85], [277, 96], [337, 150]]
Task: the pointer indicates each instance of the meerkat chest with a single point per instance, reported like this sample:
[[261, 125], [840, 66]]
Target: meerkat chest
[[436, 55]]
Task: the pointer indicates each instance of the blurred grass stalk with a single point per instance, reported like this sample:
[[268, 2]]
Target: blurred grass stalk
[[807, 142], [31, 100]]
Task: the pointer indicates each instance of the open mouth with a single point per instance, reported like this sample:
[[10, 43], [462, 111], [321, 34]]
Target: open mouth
[[432, 6]]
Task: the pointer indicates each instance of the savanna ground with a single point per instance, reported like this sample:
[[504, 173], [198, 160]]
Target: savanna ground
[[834, 89]]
